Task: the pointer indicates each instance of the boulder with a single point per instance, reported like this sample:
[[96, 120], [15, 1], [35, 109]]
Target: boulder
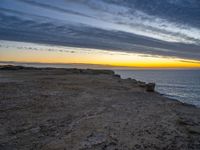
[[141, 84], [150, 87], [117, 76]]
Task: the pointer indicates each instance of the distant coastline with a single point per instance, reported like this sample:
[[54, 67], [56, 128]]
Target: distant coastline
[[84, 66]]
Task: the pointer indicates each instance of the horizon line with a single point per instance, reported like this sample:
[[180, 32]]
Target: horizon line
[[97, 66]]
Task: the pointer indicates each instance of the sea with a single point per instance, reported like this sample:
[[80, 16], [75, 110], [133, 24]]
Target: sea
[[182, 85]]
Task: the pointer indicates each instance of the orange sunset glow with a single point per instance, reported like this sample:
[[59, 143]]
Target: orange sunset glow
[[93, 56]]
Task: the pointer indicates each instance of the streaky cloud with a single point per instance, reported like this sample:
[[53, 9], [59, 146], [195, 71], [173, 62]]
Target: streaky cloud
[[140, 26]]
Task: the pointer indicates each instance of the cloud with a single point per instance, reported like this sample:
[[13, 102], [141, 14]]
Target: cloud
[[166, 28]]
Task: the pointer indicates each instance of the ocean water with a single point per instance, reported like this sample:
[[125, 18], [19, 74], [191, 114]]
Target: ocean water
[[183, 85]]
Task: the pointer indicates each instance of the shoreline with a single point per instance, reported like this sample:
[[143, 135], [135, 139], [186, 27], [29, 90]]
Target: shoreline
[[174, 99], [21, 64], [16, 67], [86, 109], [178, 85]]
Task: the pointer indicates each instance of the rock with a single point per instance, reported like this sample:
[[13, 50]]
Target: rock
[[117, 76], [35, 130], [10, 67], [150, 87], [92, 140], [68, 70], [141, 84], [97, 72], [132, 80], [193, 129]]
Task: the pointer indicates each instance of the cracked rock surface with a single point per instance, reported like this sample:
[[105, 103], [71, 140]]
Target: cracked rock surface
[[69, 109]]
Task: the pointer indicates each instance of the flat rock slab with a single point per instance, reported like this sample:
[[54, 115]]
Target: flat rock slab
[[55, 109]]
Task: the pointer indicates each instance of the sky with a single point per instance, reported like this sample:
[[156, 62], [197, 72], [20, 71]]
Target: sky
[[133, 33]]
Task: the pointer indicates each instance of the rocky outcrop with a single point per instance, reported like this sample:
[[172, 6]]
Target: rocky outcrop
[[57, 109], [68, 70], [150, 87], [141, 84], [11, 67]]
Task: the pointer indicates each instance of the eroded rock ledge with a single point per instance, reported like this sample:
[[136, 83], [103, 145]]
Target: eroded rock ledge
[[76, 109], [150, 87]]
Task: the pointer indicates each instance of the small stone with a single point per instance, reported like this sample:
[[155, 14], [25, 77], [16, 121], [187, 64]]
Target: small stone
[[193, 129], [35, 130]]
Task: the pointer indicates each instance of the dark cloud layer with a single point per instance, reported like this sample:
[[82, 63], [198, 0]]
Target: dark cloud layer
[[183, 11], [166, 28]]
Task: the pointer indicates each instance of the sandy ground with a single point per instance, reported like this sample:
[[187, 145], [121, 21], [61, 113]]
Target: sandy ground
[[60, 109]]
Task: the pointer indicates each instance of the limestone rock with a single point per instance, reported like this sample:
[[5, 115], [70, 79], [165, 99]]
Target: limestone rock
[[150, 87]]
